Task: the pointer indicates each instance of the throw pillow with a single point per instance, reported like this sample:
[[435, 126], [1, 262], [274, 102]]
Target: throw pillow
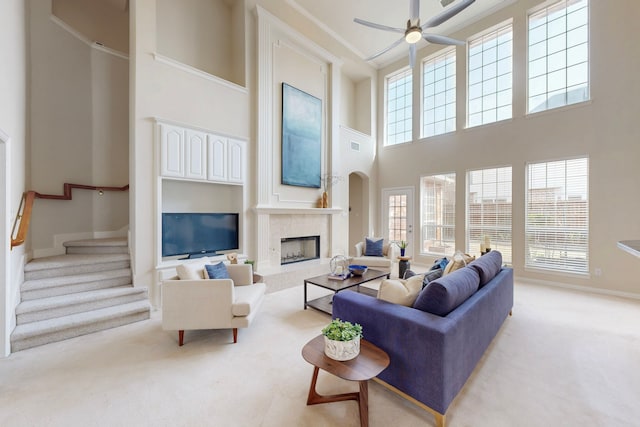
[[445, 294], [458, 261], [430, 276], [191, 270], [373, 247], [403, 292], [217, 271], [487, 266]]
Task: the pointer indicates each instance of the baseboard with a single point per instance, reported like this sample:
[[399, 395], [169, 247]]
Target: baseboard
[[598, 291]]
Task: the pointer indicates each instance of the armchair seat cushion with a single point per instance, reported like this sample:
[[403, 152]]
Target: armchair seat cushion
[[372, 261], [248, 299]]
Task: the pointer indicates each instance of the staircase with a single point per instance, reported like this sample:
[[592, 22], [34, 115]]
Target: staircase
[[87, 290]]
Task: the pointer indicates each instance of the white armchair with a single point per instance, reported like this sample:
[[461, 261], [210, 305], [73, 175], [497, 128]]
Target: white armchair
[[212, 303], [382, 263]]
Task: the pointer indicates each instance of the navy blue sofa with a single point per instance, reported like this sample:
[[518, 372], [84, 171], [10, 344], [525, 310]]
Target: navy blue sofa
[[432, 356]]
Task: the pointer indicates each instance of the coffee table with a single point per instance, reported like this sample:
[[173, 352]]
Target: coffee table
[[369, 363], [324, 303]]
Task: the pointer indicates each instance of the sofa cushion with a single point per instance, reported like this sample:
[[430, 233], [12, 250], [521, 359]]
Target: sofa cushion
[[487, 266], [247, 299], [193, 270], [403, 292], [217, 271], [443, 295], [373, 246]]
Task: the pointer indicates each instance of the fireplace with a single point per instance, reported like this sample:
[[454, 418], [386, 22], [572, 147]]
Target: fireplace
[[297, 249]]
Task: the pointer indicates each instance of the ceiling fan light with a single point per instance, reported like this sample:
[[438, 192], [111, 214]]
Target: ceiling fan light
[[413, 35]]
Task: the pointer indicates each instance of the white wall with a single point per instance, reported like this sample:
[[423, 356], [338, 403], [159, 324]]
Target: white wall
[[604, 129], [13, 146]]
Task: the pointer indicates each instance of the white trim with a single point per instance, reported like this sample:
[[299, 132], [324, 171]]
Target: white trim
[[597, 291], [6, 308], [272, 210], [197, 72], [93, 44]]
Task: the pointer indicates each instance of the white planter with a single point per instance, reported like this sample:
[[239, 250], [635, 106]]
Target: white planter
[[342, 350]]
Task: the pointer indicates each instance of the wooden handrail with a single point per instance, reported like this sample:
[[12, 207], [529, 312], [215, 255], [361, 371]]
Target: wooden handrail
[[24, 216], [26, 206]]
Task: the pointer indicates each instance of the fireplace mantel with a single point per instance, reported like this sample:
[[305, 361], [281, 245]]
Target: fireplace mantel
[[272, 210]]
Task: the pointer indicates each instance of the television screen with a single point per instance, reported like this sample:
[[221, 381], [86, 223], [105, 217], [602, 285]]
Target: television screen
[[198, 233]]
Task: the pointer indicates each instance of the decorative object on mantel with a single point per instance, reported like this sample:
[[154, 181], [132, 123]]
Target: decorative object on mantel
[[342, 340], [301, 138], [328, 181], [233, 258]]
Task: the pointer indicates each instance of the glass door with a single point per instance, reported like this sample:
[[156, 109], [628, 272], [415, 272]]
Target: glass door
[[398, 217]]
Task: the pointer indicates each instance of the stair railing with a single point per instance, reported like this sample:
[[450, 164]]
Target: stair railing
[[23, 216]]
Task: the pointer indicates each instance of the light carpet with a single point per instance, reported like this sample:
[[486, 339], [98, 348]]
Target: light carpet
[[564, 358]]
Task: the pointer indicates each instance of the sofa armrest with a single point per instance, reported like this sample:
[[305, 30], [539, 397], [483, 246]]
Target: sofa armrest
[[359, 249], [196, 304]]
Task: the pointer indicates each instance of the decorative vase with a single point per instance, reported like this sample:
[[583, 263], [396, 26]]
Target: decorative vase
[[325, 199], [342, 350], [402, 251]]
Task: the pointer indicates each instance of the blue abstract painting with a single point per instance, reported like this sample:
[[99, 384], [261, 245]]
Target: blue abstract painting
[[301, 138]]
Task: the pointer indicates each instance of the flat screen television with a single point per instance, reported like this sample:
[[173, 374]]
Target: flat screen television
[[198, 234]]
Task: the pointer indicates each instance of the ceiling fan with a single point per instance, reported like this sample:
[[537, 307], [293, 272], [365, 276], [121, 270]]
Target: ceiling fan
[[415, 32]]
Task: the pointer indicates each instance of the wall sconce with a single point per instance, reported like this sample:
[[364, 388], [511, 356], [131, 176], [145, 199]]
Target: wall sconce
[[100, 192]]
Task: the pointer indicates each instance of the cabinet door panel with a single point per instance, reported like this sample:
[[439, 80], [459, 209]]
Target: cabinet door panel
[[236, 160], [196, 155], [172, 151], [217, 158]]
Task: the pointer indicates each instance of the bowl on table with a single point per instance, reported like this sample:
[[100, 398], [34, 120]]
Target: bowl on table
[[357, 270]]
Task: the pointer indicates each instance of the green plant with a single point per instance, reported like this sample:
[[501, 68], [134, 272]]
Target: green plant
[[339, 330]]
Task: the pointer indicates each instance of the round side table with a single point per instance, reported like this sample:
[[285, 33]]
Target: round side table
[[403, 265]]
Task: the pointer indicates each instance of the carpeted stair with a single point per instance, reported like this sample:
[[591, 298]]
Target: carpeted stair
[[85, 291]]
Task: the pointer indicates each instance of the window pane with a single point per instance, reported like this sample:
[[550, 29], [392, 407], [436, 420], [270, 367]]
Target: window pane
[[565, 49], [437, 228], [490, 64], [557, 216], [398, 107], [439, 93]]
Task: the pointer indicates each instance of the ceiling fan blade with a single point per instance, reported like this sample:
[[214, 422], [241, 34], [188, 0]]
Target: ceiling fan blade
[[437, 39], [414, 10], [394, 44], [412, 55], [378, 26], [447, 14]]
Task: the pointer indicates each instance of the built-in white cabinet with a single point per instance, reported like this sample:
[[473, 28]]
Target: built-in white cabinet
[[197, 155], [172, 151]]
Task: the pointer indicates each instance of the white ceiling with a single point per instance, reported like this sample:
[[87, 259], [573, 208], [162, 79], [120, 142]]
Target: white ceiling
[[336, 17]]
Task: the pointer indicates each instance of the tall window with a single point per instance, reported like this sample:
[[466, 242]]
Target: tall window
[[398, 116], [557, 216], [489, 210], [490, 80], [559, 55], [438, 198], [439, 94]]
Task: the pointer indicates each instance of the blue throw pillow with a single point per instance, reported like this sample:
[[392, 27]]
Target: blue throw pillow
[[445, 294], [373, 247], [487, 266], [217, 271]]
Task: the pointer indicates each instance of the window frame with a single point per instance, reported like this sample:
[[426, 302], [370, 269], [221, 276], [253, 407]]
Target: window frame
[[401, 73], [565, 90], [531, 228], [470, 42], [440, 226], [441, 55], [507, 259]]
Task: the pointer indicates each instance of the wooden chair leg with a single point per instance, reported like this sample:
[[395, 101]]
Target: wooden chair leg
[[235, 335], [180, 337]]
